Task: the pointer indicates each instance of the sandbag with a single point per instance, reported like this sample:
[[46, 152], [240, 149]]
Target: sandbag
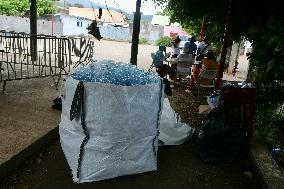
[[120, 130]]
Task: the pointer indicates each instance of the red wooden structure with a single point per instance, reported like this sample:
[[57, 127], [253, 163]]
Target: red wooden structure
[[240, 108]]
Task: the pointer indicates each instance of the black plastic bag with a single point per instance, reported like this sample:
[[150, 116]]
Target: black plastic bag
[[57, 103], [219, 140], [168, 89]]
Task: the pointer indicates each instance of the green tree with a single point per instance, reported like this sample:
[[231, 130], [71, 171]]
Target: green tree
[[263, 25], [165, 12], [267, 60], [19, 7], [245, 14]]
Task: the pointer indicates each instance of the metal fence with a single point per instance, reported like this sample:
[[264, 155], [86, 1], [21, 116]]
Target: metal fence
[[55, 56]]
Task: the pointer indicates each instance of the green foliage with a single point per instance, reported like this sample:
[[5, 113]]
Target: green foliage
[[244, 15], [166, 41], [165, 12], [143, 40], [21, 7], [267, 60], [263, 25], [270, 124], [213, 31]]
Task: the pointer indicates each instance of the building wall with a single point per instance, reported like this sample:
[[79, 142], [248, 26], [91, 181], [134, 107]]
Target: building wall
[[69, 25], [151, 32], [114, 33], [74, 26], [19, 24]]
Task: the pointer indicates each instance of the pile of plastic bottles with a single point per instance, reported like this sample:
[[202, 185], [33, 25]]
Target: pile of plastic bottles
[[108, 71]]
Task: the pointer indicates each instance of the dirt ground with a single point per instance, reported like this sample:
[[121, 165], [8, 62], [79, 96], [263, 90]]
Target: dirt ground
[[26, 113], [121, 52]]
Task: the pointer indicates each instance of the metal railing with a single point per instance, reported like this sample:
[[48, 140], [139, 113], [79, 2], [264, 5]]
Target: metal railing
[[55, 56]]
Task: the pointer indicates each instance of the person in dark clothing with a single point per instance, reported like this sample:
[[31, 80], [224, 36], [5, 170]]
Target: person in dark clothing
[[191, 46]]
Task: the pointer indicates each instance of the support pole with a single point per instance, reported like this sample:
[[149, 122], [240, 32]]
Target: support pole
[[52, 24], [224, 47], [135, 34], [33, 29]]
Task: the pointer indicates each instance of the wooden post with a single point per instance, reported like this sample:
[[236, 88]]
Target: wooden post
[[135, 34], [33, 29], [224, 47]]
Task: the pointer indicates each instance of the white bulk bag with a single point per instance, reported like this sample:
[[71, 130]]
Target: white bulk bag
[[122, 123], [172, 130]]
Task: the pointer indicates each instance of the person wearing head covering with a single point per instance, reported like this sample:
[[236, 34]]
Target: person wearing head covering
[[159, 56], [158, 61]]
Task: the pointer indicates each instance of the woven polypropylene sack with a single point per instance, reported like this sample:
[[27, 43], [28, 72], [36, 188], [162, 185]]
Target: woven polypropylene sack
[[122, 122]]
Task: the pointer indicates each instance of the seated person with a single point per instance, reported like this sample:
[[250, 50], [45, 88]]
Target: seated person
[[209, 61], [184, 61], [175, 47], [203, 48], [158, 60], [185, 56]]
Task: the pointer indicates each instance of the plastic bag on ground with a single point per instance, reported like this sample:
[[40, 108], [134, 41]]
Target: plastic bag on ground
[[172, 130], [219, 141], [214, 100]]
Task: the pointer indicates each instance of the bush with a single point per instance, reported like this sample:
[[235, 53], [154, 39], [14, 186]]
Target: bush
[[266, 60], [143, 40], [270, 125], [166, 41]]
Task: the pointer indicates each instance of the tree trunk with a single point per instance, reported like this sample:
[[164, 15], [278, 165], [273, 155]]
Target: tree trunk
[[135, 33], [224, 47]]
